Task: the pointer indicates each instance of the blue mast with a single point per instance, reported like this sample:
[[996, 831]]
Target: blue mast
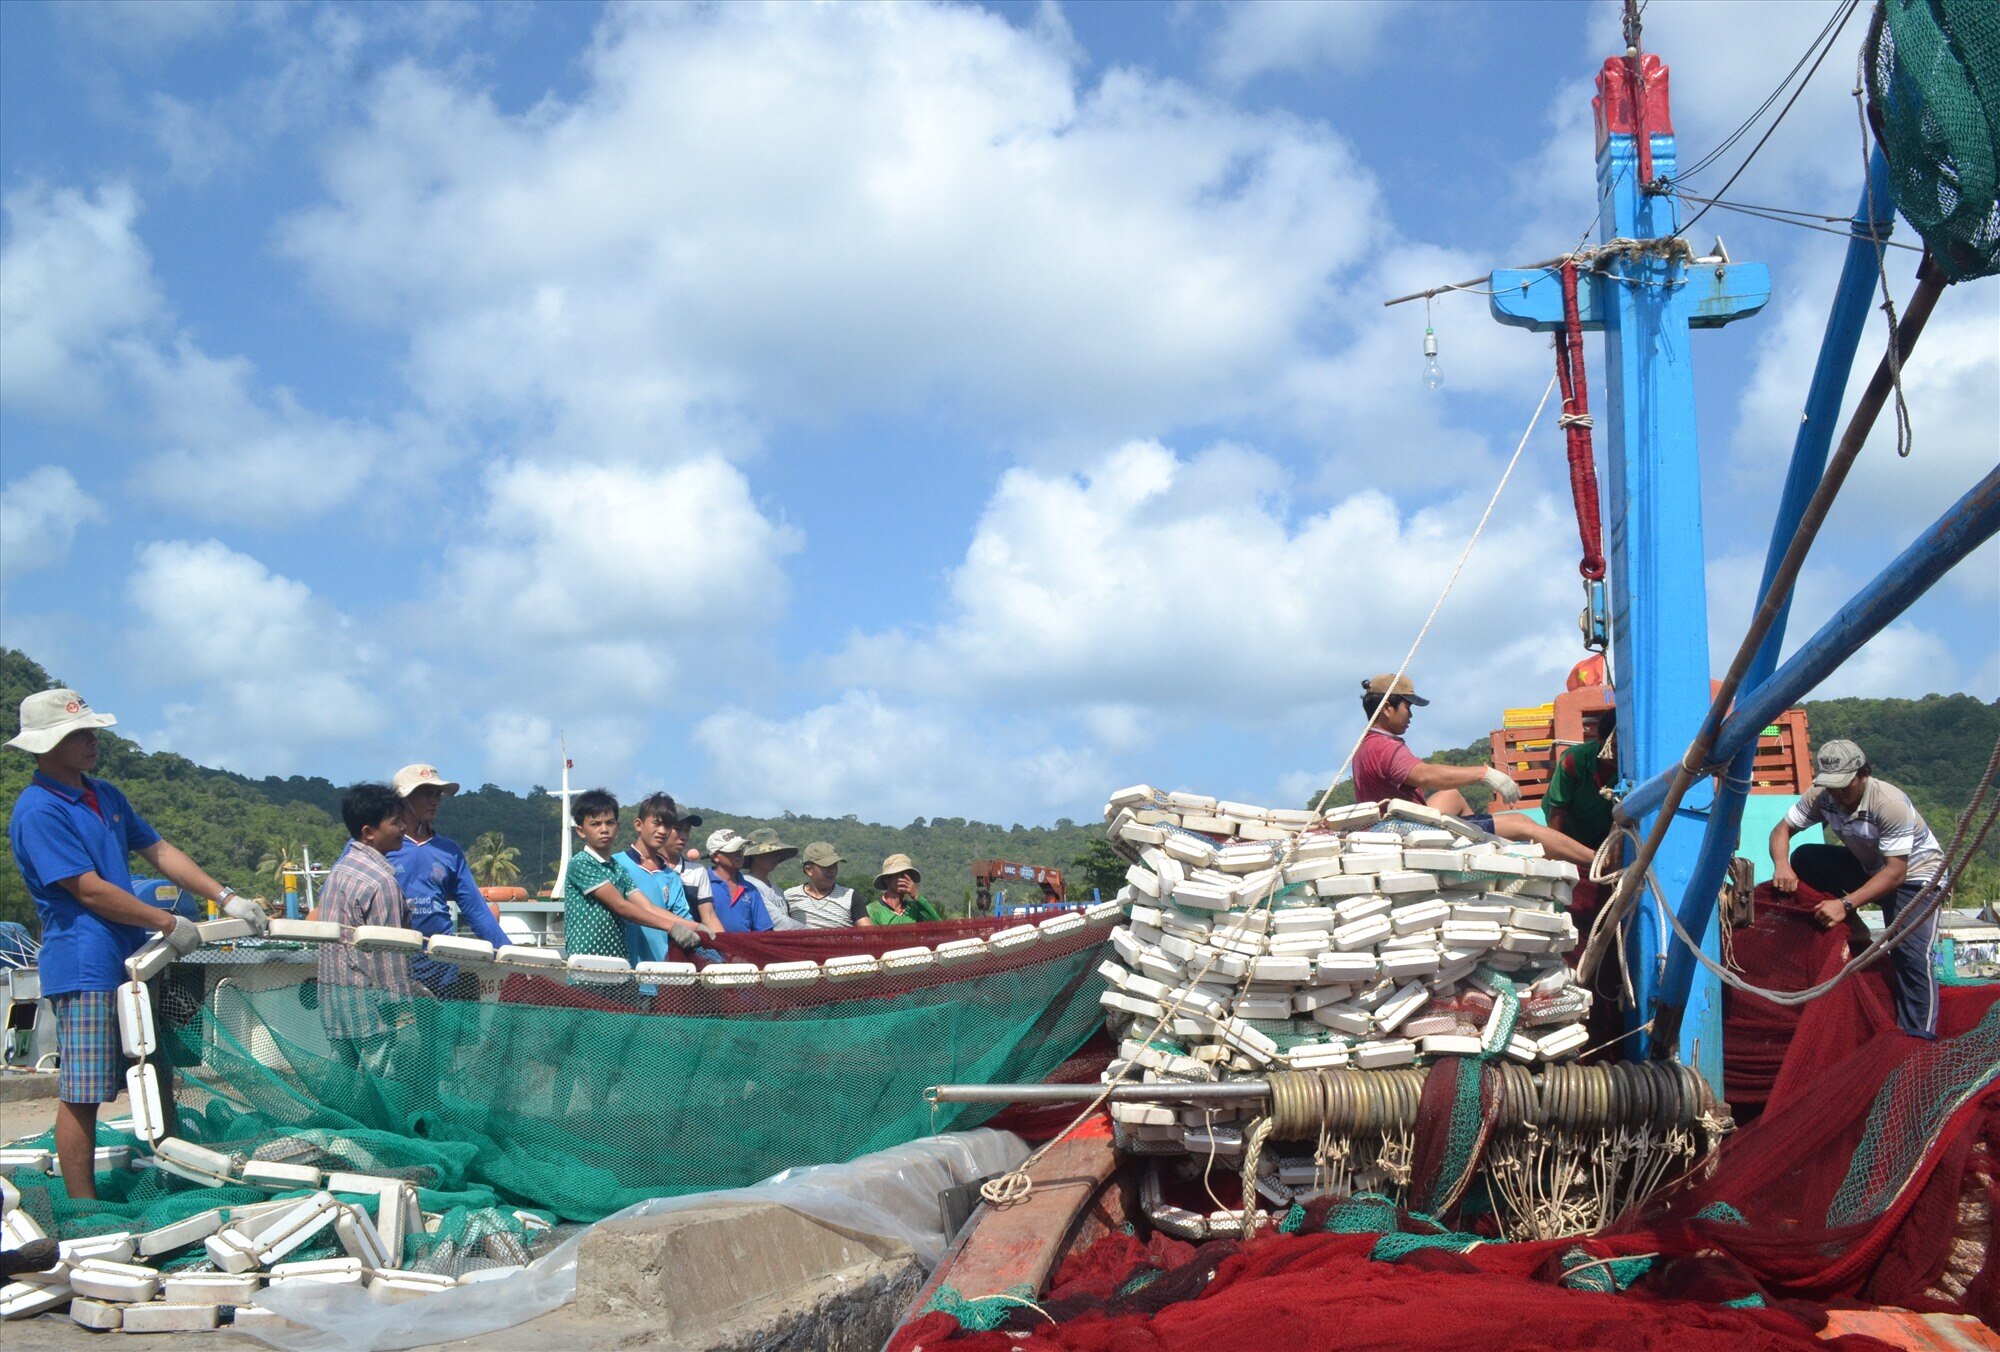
[[1645, 291]]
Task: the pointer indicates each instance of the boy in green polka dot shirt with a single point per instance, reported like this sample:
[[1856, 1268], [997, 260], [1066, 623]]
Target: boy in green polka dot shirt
[[598, 892]]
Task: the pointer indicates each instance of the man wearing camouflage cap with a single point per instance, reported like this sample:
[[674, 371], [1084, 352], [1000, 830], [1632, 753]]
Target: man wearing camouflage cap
[[1887, 855]]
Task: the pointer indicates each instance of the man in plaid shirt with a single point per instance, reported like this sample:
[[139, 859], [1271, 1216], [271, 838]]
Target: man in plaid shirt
[[365, 998]]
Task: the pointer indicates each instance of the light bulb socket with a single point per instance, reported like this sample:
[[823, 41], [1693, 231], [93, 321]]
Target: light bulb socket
[[1430, 343]]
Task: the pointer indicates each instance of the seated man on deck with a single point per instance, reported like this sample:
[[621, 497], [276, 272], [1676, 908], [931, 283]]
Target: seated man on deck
[[598, 892], [1887, 854], [1385, 767], [1575, 803]]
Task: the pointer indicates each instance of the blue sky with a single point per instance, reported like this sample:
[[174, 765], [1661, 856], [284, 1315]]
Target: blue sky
[[911, 410]]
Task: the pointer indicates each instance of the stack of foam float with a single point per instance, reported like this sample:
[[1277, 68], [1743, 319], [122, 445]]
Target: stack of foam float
[[116, 1281], [1377, 936]]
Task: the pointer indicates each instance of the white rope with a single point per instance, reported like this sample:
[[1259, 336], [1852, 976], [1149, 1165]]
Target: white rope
[[1438, 605], [1018, 1185]]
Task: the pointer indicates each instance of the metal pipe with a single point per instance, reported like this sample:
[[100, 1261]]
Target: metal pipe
[[1873, 221], [1930, 285], [1235, 1091], [1969, 523]]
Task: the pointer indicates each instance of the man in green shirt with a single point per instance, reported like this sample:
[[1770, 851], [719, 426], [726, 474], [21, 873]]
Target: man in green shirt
[[900, 903], [1575, 803]]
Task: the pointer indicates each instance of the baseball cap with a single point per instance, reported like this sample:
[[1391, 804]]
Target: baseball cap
[[1837, 763], [822, 853], [48, 716], [413, 777], [725, 841], [1388, 683]]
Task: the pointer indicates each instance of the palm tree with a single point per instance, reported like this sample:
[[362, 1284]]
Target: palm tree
[[279, 857], [493, 861]]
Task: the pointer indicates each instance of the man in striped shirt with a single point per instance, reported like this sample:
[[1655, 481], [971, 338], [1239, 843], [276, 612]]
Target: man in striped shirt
[[1887, 855], [366, 998]]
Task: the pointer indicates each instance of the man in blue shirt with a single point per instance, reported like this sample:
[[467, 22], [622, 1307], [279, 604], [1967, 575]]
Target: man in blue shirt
[[73, 837], [433, 873], [737, 904]]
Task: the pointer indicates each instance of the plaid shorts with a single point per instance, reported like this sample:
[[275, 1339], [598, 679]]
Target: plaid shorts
[[93, 1059]]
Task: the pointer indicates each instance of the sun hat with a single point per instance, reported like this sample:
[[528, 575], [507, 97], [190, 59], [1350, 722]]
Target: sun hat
[[1388, 683], [722, 840], [765, 841], [413, 777], [48, 716], [894, 864], [1837, 763], [822, 853]]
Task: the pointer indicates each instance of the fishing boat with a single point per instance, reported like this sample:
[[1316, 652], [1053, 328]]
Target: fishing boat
[[1865, 1181]]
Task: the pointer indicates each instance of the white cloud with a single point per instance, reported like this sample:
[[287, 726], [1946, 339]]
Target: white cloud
[[895, 761], [149, 28], [1187, 586], [40, 514], [819, 210], [1259, 36], [73, 277], [85, 335], [1901, 662], [281, 674]]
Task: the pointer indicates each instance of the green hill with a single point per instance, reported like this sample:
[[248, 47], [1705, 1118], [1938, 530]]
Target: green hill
[[1935, 747]]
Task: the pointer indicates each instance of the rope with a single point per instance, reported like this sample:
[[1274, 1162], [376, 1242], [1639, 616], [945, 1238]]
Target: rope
[[1903, 435], [1576, 423], [1438, 605]]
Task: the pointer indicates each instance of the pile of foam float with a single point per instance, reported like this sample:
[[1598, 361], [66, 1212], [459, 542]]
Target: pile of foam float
[[111, 1281], [1289, 977]]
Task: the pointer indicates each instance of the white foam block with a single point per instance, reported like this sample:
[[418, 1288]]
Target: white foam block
[[1450, 1044], [1360, 934], [1382, 1055], [907, 959], [151, 959], [1424, 915], [223, 931], [525, 955], [674, 973], [285, 1177], [452, 948], [97, 1314], [163, 1317], [101, 1280], [210, 1288], [388, 939], [136, 1033], [850, 968], [729, 974], [142, 1088], [180, 1234], [306, 931]]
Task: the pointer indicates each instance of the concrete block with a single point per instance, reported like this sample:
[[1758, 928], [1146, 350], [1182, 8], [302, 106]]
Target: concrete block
[[177, 1317]]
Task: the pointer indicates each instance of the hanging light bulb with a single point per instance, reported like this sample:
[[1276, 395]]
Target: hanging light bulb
[[1433, 374]]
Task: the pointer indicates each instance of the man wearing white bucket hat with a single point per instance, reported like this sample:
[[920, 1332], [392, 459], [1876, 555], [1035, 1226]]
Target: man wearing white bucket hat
[[73, 837]]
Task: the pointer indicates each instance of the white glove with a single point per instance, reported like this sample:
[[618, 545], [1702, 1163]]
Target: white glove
[[182, 936], [1501, 784], [684, 937], [249, 911]]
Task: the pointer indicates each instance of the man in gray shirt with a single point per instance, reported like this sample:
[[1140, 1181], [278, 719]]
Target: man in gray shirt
[[820, 902], [1887, 854]]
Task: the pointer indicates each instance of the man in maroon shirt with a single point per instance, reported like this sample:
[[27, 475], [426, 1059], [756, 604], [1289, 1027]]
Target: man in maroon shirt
[[1385, 767]]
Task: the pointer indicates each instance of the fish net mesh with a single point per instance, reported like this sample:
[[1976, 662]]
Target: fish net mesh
[[544, 1104], [1933, 72], [1872, 1175]]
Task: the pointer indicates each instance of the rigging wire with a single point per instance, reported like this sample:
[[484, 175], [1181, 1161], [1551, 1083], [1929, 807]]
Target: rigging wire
[[1843, 10], [1779, 121], [1774, 215]]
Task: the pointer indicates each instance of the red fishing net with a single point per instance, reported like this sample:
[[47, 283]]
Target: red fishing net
[[1870, 1177]]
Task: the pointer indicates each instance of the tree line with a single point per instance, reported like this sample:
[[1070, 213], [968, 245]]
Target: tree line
[[248, 831]]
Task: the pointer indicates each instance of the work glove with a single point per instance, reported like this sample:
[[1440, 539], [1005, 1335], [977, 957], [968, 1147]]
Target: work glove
[[250, 911], [183, 937], [1501, 785]]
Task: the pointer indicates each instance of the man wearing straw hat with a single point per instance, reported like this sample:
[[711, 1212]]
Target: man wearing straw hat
[[73, 837], [900, 903]]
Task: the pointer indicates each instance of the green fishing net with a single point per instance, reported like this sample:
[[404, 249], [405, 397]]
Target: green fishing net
[[1933, 70]]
